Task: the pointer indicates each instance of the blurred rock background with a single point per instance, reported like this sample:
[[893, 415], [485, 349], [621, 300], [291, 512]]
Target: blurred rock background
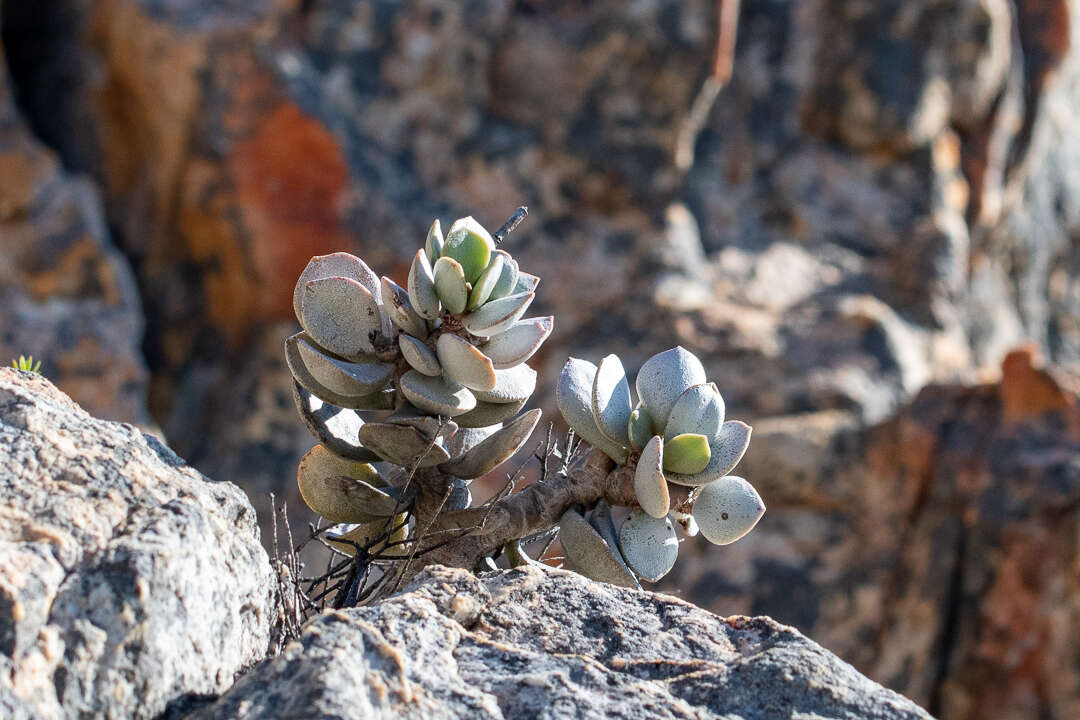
[[883, 203]]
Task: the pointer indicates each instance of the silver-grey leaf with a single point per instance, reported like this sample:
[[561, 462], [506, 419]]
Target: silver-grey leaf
[[400, 309], [726, 509], [464, 364], [300, 373], [352, 379], [339, 264], [331, 486], [402, 445], [511, 385], [573, 395], [664, 377], [649, 545], [436, 395], [589, 553], [494, 450], [340, 315], [421, 287], [486, 414], [495, 316], [611, 400], [517, 343], [419, 356], [699, 410], [650, 485], [600, 519]]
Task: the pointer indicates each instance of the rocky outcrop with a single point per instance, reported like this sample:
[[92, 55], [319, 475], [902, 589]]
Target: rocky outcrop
[[935, 551], [866, 195], [69, 296], [129, 583], [548, 643], [884, 197]]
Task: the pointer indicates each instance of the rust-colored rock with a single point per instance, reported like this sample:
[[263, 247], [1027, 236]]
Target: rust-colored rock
[[68, 296], [1027, 392]]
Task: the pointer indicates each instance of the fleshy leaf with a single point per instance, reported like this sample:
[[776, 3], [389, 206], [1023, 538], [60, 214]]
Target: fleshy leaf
[[497, 316], [463, 363], [649, 545], [485, 283], [589, 553], [399, 308], [421, 285], [698, 410], [573, 395], [488, 413], [511, 385], [611, 400], [469, 243], [450, 284], [340, 315], [419, 356], [328, 485], [436, 395], [600, 519], [687, 453], [724, 454], [494, 450], [466, 439], [525, 283], [650, 486], [334, 427], [428, 426], [375, 401], [339, 264], [341, 377], [639, 429], [664, 377], [507, 278], [517, 343], [433, 244], [402, 445], [726, 509]]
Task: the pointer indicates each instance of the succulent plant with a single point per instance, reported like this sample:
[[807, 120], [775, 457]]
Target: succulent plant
[[27, 364], [414, 390], [431, 375], [676, 442]]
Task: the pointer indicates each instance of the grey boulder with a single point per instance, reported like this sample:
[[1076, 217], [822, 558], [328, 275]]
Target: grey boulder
[[130, 585], [537, 642]]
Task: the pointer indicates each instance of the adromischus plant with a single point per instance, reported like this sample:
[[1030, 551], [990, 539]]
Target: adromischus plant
[[675, 435], [371, 345], [430, 379]]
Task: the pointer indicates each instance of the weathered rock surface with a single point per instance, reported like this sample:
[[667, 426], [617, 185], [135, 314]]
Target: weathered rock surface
[[548, 643], [936, 552], [885, 196], [129, 583], [69, 297]]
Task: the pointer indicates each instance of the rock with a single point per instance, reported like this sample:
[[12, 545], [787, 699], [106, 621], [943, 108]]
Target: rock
[[129, 583], [935, 551], [539, 642], [69, 296]]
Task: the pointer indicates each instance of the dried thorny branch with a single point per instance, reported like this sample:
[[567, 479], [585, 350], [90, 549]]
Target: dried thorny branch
[[727, 19], [506, 525]]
